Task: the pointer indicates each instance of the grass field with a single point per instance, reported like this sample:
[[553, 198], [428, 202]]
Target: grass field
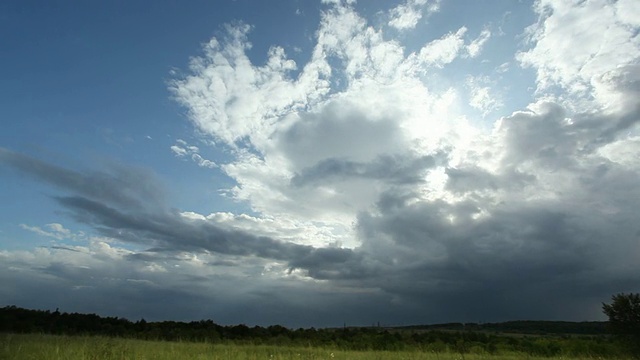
[[52, 347]]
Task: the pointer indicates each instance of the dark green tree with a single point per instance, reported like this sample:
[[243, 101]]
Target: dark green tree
[[624, 313], [624, 317]]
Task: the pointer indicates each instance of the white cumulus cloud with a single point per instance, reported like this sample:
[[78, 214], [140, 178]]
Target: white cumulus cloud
[[576, 43], [406, 16]]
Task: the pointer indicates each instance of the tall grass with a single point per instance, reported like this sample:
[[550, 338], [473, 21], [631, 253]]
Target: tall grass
[[52, 347]]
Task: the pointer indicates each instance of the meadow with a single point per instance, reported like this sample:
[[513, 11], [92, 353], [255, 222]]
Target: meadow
[[59, 347]]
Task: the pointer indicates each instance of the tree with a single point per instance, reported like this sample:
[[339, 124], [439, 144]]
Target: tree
[[624, 316], [624, 313]]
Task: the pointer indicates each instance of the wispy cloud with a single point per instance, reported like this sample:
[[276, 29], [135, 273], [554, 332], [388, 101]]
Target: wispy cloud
[[53, 230], [182, 149], [481, 95], [475, 47]]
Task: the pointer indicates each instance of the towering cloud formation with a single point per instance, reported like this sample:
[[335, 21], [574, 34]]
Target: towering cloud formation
[[367, 177]]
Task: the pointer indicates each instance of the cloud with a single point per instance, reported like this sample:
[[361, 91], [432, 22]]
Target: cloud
[[407, 15], [389, 168], [54, 230], [482, 96], [432, 197], [179, 151], [475, 47], [247, 97], [503, 68], [444, 50], [156, 228], [606, 32], [371, 191], [182, 149], [104, 279], [131, 187]]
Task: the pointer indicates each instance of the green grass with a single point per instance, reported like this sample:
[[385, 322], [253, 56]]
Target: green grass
[[52, 347]]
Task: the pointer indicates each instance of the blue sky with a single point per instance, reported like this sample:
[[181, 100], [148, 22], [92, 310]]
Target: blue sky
[[310, 163]]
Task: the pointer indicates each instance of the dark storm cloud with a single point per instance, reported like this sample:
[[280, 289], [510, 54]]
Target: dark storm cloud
[[504, 251], [336, 264], [514, 239], [82, 291], [300, 304], [524, 260]]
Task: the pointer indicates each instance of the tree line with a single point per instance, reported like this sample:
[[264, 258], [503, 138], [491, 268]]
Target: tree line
[[524, 327], [470, 339]]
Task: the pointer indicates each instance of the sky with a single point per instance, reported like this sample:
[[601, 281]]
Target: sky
[[320, 163]]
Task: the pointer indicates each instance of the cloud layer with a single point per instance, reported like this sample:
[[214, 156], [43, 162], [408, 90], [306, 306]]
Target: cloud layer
[[375, 196]]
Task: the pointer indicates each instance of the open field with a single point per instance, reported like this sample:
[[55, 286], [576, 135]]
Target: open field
[[54, 347]]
